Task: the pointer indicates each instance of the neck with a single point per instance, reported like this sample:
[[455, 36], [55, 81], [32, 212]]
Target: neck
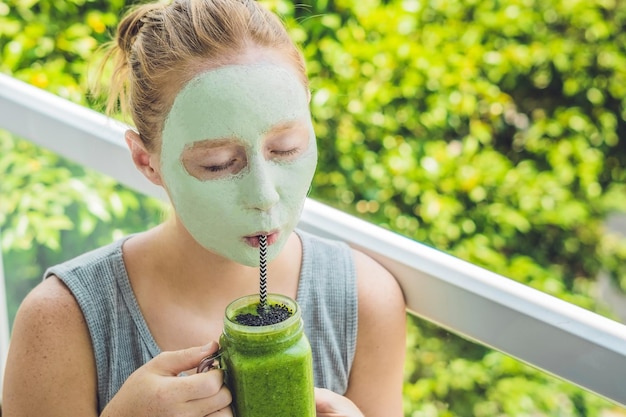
[[187, 270]]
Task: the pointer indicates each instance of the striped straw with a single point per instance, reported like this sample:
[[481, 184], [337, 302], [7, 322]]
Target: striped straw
[[263, 268]]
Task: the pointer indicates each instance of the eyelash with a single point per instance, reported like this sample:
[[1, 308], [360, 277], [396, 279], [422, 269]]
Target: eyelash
[[218, 168], [224, 167], [287, 153]]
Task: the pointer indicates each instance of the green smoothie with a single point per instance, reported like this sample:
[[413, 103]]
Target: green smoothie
[[268, 368]]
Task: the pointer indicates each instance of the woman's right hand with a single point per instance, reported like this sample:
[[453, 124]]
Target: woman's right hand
[[330, 404], [156, 390]]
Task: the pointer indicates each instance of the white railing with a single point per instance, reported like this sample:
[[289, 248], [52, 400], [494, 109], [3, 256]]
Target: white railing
[[4, 319], [548, 333]]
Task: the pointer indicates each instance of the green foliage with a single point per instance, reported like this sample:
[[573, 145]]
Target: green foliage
[[50, 208], [486, 128], [489, 129], [49, 43]]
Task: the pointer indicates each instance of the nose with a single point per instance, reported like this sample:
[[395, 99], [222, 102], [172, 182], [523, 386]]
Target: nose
[[259, 192]]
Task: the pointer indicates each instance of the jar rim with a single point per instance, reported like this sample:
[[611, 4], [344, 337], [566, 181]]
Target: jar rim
[[273, 298]]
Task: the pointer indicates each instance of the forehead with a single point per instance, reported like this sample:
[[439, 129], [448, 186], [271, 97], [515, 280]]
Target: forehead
[[238, 100]]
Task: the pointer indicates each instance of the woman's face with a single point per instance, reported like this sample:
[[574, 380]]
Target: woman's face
[[238, 155]]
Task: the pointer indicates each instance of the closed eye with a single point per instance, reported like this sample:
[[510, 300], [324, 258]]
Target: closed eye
[[289, 152], [222, 167], [210, 160], [287, 142]]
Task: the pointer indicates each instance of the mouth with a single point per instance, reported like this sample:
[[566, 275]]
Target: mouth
[[253, 239]]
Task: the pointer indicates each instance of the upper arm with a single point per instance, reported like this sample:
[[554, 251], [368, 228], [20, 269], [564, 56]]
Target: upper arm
[[50, 367], [376, 378]]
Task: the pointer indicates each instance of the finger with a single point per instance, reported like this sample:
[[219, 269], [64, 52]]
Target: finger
[[323, 400], [328, 403], [225, 412], [203, 385], [219, 402], [174, 362]]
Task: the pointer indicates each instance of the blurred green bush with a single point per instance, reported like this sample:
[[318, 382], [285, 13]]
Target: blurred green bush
[[46, 202], [489, 129]]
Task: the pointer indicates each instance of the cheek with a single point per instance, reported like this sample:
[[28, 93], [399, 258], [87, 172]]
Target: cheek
[[295, 179], [207, 200]]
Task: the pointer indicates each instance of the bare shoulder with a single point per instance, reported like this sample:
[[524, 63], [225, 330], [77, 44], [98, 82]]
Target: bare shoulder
[[49, 294], [50, 366], [378, 289], [51, 308], [381, 339]]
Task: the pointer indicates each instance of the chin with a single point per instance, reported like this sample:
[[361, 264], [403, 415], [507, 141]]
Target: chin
[[252, 261], [249, 256]]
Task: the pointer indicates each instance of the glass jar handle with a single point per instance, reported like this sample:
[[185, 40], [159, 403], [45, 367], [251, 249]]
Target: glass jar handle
[[210, 362]]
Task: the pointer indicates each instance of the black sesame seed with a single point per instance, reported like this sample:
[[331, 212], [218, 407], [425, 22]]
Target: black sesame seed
[[267, 315]]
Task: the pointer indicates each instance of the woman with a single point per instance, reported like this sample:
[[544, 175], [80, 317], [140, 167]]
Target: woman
[[219, 97]]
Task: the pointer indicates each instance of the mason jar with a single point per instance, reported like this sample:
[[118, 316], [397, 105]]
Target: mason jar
[[268, 368]]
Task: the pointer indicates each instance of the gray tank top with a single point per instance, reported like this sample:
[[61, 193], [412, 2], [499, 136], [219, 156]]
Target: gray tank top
[[122, 342]]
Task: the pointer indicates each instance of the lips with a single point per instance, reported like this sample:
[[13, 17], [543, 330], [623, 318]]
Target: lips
[[253, 239]]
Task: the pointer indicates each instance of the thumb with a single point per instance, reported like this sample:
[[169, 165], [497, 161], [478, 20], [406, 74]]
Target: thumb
[[328, 403], [172, 363]]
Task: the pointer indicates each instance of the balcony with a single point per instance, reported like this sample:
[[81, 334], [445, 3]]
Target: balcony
[[552, 335]]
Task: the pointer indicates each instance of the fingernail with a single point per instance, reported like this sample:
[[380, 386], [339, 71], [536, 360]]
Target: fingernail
[[208, 347]]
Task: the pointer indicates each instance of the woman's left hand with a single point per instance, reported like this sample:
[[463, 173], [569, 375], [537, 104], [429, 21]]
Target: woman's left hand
[[330, 404]]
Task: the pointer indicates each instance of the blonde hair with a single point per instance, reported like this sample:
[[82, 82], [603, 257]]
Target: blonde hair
[[159, 47]]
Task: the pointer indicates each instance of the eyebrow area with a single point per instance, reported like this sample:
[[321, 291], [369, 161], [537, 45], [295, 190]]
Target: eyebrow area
[[276, 130], [207, 144]]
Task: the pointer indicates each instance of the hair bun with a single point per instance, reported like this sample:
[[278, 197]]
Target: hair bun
[[131, 25]]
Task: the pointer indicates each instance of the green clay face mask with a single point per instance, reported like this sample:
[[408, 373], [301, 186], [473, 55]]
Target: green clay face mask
[[238, 155]]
